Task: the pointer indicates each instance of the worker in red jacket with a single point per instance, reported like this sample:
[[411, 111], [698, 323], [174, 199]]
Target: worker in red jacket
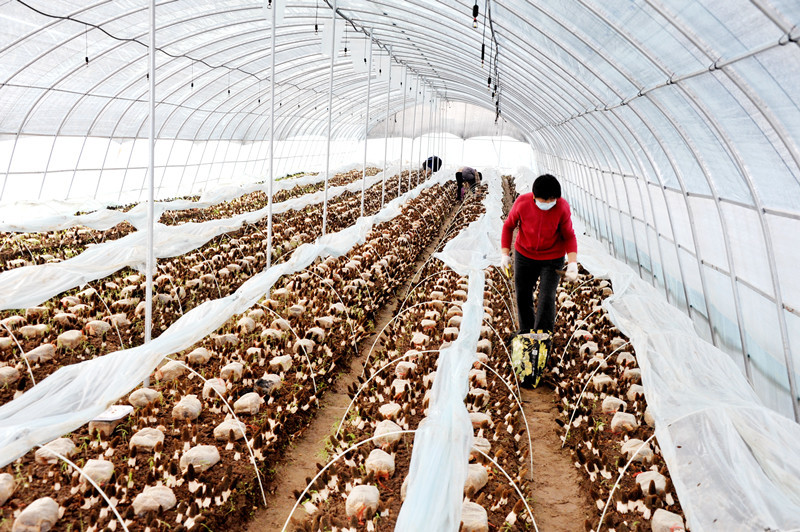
[[545, 235]]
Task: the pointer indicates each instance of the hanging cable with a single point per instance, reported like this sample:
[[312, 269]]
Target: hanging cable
[[86, 43], [494, 58], [491, 64], [129, 39], [316, 12], [483, 37]]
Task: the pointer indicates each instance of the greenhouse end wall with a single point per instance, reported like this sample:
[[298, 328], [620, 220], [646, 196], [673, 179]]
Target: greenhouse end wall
[[113, 171]]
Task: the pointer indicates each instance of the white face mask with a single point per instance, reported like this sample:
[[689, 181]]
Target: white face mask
[[545, 206]]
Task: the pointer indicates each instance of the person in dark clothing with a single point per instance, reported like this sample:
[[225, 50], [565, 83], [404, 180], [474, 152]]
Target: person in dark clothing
[[545, 236], [469, 176], [432, 163]]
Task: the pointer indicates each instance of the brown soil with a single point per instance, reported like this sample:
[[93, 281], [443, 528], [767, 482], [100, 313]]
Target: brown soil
[[559, 502]]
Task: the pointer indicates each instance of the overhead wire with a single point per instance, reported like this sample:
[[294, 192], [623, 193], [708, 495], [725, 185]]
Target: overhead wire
[[130, 39]]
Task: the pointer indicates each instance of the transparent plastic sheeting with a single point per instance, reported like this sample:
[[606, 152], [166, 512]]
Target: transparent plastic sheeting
[[734, 462], [440, 460], [31, 285], [75, 394], [30, 216]]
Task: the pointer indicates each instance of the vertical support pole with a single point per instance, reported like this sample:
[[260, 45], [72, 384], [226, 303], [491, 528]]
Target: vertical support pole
[[386, 132], [366, 123], [403, 128], [435, 126], [330, 121], [271, 136], [431, 126], [436, 123], [151, 133], [463, 140], [440, 130], [500, 148], [413, 131], [419, 134]]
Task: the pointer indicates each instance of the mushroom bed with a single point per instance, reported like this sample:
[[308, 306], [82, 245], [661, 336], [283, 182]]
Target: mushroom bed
[[364, 485], [108, 314], [604, 416], [25, 249], [199, 447], [268, 366]]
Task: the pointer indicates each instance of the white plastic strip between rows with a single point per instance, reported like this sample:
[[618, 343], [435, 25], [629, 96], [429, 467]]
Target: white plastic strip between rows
[[31, 285], [75, 394], [734, 462], [440, 460], [53, 215]]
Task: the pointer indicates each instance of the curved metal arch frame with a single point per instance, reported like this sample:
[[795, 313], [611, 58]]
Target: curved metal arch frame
[[634, 236], [643, 171], [759, 209], [657, 173], [734, 155], [602, 54]]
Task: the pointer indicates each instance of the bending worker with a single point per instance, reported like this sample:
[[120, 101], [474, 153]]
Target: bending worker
[[545, 236], [433, 162], [469, 176]]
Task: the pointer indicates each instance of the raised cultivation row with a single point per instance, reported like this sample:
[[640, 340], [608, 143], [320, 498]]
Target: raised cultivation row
[[259, 199], [108, 314], [364, 486], [181, 461], [25, 249], [605, 419], [18, 250]]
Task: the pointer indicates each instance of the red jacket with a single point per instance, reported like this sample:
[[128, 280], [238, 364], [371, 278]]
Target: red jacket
[[543, 235]]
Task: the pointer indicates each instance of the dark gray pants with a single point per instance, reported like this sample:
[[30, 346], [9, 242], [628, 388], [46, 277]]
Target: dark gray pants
[[527, 272]]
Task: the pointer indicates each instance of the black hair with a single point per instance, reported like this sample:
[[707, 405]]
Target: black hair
[[546, 187]]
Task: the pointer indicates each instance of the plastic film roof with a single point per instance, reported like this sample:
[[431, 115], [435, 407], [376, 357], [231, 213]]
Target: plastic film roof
[[674, 124]]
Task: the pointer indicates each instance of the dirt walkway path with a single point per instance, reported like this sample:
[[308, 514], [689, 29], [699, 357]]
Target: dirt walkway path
[[309, 448], [559, 502]]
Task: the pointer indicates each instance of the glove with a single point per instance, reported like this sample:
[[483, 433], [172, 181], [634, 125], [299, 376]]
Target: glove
[[505, 264], [572, 272]]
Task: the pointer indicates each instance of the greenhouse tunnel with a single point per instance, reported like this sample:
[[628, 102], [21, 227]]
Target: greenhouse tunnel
[[673, 125]]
